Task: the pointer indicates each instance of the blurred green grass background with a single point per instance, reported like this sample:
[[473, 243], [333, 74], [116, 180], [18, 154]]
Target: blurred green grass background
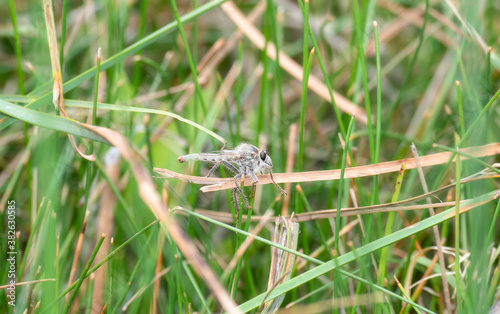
[[423, 49]]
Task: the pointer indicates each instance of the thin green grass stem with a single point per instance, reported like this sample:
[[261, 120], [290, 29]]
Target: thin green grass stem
[[239, 84], [361, 56], [64, 15], [382, 268], [136, 75], [325, 75], [196, 287], [474, 124], [90, 292], [111, 273], [131, 279], [105, 260], [493, 285], [402, 87], [263, 77], [469, 131], [341, 184], [460, 109], [458, 278], [147, 135], [491, 232], [90, 165], [378, 122], [307, 69], [228, 116], [17, 48], [239, 241], [379, 95], [83, 275], [194, 73], [277, 75], [318, 226]]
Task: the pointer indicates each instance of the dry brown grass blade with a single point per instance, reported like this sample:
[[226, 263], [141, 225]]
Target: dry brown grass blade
[[288, 64], [77, 252], [104, 223], [412, 16], [426, 274], [147, 191], [31, 282], [292, 139], [57, 90], [345, 212], [322, 214], [355, 300], [217, 184], [437, 236]]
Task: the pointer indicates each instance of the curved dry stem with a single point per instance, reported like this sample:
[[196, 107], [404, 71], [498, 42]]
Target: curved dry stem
[[217, 184]]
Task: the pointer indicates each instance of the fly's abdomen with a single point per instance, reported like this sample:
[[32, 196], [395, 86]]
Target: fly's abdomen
[[200, 157]]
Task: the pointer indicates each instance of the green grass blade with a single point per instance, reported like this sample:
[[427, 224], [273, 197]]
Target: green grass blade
[[366, 249], [49, 121], [341, 184], [17, 47], [120, 56]]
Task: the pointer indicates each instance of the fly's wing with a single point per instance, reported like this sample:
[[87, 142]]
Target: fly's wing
[[232, 155], [224, 155], [223, 152]]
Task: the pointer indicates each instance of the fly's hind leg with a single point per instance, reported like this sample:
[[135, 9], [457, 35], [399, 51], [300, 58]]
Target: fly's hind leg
[[226, 164], [229, 166], [236, 206], [212, 170], [236, 179]]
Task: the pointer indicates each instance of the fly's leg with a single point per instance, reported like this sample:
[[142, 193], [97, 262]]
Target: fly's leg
[[214, 168], [254, 183], [236, 179], [272, 179], [226, 164], [237, 206], [230, 167]]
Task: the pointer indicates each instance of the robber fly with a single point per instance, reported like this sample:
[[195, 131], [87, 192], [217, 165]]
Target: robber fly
[[244, 159]]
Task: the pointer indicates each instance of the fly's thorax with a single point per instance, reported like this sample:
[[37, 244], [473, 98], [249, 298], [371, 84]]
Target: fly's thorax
[[247, 149]]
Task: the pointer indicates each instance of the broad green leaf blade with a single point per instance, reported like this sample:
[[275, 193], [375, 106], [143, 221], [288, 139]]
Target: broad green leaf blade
[[49, 121], [104, 106], [86, 104]]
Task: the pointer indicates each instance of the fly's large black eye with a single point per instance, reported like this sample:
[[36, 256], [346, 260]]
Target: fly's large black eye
[[263, 154]]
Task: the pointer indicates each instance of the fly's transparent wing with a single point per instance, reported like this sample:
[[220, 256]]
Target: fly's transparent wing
[[226, 155]]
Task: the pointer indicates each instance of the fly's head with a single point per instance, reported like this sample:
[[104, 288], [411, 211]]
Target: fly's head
[[265, 160]]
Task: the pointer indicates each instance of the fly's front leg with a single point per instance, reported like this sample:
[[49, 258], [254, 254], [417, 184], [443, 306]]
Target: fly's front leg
[[236, 179], [272, 179], [254, 183]]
